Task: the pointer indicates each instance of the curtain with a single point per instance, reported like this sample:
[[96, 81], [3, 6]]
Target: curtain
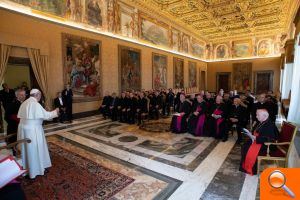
[[294, 110], [40, 66], [4, 55], [287, 80]]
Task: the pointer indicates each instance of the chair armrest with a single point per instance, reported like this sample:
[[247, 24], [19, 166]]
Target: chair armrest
[[7, 136], [14, 144], [279, 143]]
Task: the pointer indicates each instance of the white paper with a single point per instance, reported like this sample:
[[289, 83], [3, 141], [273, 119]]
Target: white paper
[[9, 170], [177, 114]]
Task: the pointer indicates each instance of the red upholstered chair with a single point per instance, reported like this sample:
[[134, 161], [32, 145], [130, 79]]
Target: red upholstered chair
[[283, 145]]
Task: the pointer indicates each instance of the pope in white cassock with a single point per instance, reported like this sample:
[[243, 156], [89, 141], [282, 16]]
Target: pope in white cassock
[[35, 155]]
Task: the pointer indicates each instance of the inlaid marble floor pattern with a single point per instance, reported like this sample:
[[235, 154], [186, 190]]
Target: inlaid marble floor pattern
[[163, 165]]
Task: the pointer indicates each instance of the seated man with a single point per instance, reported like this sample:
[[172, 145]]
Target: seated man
[[264, 131], [217, 120], [197, 118], [113, 107], [142, 108], [131, 108], [104, 108], [179, 119], [237, 117], [155, 105]]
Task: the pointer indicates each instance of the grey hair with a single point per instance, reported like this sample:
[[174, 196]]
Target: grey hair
[[264, 112]]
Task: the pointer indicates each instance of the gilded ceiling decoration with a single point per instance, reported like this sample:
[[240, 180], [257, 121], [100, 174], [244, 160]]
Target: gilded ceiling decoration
[[219, 20]]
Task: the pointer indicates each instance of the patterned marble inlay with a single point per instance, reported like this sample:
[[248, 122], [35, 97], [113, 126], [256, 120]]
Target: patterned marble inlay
[[147, 184]]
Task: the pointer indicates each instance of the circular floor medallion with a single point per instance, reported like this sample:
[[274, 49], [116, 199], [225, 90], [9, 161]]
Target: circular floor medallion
[[128, 139]]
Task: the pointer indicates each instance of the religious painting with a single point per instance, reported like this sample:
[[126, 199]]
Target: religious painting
[[263, 81], [94, 13], [242, 49], [192, 74], [159, 64], [242, 76], [221, 51], [197, 49], [129, 68], [264, 48], [175, 40], [154, 32], [82, 67], [185, 43], [178, 72]]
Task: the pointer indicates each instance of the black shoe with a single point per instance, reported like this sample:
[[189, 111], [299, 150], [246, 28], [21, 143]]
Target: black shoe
[[46, 171]]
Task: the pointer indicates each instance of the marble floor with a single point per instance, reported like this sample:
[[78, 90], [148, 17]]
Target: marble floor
[[163, 165]]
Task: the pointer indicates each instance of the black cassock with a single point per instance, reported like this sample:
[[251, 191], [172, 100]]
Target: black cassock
[[264, 132], [131, 109], [196, 123], [143, 108], [239, 113], [217, 127], [68, 100], [155, 106], [113, 107], [104, 109], [12, 120], [122, 105], [179, 123]]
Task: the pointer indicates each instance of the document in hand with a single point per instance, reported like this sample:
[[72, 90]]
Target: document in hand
[[247, 132], [177, 114], [9, 170]]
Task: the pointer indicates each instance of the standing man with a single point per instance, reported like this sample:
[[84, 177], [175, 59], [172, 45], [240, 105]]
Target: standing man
[[12, 119], [59, 103], [7, 96], [67, 95], [35, 155]]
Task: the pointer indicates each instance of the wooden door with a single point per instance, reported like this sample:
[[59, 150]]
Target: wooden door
[[263, 81], [223, 81], [202, 80]]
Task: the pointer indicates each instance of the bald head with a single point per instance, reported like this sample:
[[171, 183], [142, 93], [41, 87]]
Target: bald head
[[262, 115]]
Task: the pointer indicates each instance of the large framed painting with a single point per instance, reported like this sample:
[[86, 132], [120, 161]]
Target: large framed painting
[[178, 72], [242, 48], [154, 32], [82, 67], [192, 74], [242, 76], [129, 68], [159, 65], [263, 81]]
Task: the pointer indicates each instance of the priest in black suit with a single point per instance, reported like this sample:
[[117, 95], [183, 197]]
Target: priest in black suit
[[59, 103], [104, 108], [142, 108], [67, 95]]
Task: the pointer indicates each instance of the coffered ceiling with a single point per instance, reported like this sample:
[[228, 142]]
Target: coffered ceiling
[[220, 20]]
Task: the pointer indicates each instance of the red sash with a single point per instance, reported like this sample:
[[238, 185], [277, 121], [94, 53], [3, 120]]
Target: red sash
[[251, 156], [219, 121], [178, 122], [199, 127]]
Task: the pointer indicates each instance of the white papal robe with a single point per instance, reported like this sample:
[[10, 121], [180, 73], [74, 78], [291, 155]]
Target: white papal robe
[[35, 155]]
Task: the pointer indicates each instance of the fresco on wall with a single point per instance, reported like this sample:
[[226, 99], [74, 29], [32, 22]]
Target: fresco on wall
[[242, 49], [93, 13], [192, 74], [82, 67], [264, 48], [178, 73], [154, 33], [185, 43], [222, 51], [56, 7], [197, 50], [242, 76], [130, 68], [175, 40], [126, 24], [159, 63]]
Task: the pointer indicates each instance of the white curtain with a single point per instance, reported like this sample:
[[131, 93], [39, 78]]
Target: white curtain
[[287, 80], [294, 110]]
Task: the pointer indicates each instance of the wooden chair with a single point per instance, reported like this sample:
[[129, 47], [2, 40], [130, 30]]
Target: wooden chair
[[14, 144], [283, 146]]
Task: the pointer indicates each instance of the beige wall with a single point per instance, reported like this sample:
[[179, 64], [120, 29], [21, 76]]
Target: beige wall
[[23, 31], [261, 64]]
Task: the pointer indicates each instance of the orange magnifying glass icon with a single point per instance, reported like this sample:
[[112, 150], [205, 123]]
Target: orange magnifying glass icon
[[277, 180]]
